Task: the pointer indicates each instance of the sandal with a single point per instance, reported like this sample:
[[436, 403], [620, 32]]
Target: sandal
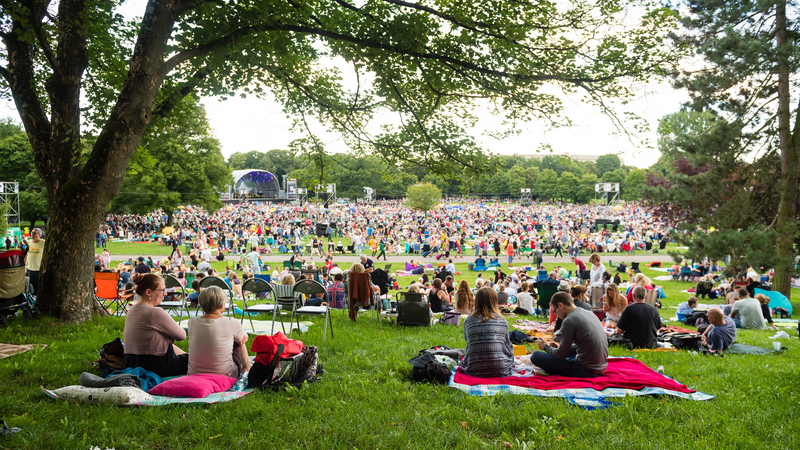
[[5, 430]]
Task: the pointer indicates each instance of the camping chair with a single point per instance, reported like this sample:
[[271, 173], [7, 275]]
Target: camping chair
[[703, 288], [220, 283], [597, 294], [287, 264], [298, 265], [686, 274], [170, 282], [541, 275], [108, 294], [189, 278], [417, 249], [258, 286], [545, 294], [413, 310], [311, 287], [635, 267], [388, 268], [365, 298], [266, 278], [650, 297]]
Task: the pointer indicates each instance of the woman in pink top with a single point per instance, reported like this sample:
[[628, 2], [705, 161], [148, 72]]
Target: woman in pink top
[[150, 332]]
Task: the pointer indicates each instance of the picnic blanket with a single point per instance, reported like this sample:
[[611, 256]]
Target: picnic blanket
[[7, 350], [624, 376], [744, 349]]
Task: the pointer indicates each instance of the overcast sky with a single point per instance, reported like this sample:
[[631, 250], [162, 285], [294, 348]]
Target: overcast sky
[[259, 124]]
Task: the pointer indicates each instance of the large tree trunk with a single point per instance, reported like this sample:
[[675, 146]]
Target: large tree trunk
[[78, 195], [786, 224]]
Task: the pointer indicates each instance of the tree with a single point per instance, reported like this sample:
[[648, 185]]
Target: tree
[[585, 191], [748, 50], [607, 163], [423, 196], [179, 162], [567, 186], [249, 160], [430, 64], [546, 184], [16, 164], [634, 181]]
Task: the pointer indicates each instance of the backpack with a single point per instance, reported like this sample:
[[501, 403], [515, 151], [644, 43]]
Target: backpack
[[290, 371], [427, 369], [111, 357], [621, 341], [686, 342], [691, 319]]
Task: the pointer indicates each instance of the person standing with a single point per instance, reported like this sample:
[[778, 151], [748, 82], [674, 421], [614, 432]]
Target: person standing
[[33, 259], [255, 261]]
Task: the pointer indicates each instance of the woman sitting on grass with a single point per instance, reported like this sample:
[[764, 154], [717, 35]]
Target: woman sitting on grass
[[613, 304], [464, 299], [489, 351], [216, 343], [150, 332]]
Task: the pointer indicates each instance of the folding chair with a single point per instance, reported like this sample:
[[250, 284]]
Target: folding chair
[[107, 293], [413, 310], [286, 301], [311, 287], [287, 264], [298, 265], [220, 283], [178, 291], [365, 299], [257, 286], [686, 274], [545, 294]]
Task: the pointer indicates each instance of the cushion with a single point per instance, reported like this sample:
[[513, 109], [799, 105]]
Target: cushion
[[194, 386], [116, 395]]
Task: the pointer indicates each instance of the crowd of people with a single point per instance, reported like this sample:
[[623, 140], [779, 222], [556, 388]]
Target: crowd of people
[[388, 227]]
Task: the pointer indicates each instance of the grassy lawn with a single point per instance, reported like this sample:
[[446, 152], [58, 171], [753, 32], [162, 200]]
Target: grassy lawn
[[365, 399]]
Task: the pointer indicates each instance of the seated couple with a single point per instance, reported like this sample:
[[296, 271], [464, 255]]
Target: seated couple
[[216, 343], [490, 353]]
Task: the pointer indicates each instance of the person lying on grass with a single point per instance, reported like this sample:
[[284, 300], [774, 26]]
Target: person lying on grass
[[216, 343], [150, 332], [489, 352], [588, 358]]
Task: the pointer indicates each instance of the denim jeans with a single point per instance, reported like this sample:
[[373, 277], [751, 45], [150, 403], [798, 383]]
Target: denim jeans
[[567, 367]]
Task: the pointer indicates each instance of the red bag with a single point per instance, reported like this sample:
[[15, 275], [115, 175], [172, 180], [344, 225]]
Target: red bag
[[266, 346]]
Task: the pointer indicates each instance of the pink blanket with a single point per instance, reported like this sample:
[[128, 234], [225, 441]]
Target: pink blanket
[[624, 373]]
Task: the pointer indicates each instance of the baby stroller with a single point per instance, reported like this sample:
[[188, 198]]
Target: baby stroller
[[15, 292]]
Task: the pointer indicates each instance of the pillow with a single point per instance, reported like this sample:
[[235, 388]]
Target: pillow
[[115, 395], [195, 386]]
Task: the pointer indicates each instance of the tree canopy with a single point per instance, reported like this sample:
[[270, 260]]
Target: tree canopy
[[423, 196], [77, 63]]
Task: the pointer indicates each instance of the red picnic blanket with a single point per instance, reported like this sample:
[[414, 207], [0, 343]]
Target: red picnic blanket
[[624, 373]]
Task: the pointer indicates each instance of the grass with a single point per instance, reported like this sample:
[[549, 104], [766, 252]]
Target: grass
[[365, 399]]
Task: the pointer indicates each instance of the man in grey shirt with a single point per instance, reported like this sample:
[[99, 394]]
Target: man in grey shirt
[[589, 358]]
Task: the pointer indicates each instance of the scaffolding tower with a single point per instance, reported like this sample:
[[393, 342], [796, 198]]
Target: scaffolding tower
[[525, 196], [9, 193], [302, 195], [369, 195], [606, 193]]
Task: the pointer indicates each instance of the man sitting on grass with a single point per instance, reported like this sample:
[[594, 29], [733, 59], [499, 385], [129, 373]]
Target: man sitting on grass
[[746, 312], [589, 358], [721, 333], [640, 322]]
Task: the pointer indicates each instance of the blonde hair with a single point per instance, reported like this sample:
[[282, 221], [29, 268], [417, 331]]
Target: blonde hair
[[413, 289], [763, 299], [211, 299], [287, 279], [643, 280], [357, 268], [594, 258], [615, 300], [479, 283]]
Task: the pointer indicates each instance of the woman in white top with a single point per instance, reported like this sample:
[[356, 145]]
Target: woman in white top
[[596, 274], [525, 299], [218, 342]]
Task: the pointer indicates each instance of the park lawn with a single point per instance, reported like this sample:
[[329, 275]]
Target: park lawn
[[365, 399]]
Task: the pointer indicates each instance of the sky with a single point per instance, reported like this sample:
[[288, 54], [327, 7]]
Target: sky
[[242, 125]]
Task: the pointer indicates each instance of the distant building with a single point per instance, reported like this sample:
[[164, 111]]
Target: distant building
[[578, 158]]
